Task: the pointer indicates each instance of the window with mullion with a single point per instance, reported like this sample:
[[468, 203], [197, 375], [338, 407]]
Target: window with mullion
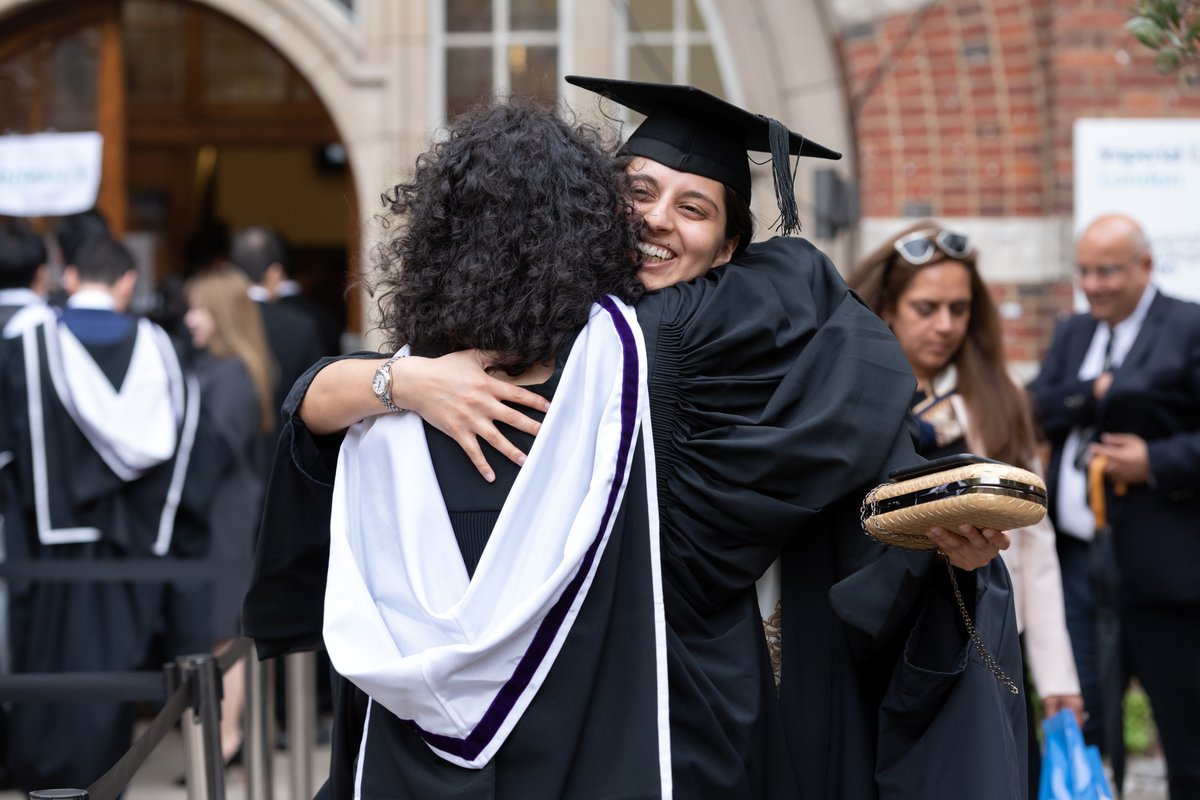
[[668, 41], [500, 48]]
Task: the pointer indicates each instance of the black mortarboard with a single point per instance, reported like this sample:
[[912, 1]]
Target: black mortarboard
[[693, 131]]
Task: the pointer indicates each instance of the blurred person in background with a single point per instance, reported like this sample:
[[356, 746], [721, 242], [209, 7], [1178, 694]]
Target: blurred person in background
[[24, 278], [73, 231], [924, 283], [288, 292], [207, 247], [294, 341], [1121, 383], [234, 367], [70, 234], [292, 334], [101, 419]]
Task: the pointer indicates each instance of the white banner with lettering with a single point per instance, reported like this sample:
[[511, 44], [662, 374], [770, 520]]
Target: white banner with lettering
[[49, 174], [1149, 169]]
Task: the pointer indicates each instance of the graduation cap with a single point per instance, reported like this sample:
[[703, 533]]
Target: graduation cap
[[690, 130]]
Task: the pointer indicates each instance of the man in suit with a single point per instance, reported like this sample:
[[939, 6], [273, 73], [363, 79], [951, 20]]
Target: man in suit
[[295, 342], [291, 334], [1122, 382]]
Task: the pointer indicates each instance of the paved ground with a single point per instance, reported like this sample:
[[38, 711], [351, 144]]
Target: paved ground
[[1146, 779], [157, 778]]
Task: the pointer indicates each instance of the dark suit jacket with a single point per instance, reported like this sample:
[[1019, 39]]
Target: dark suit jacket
[[1155, 394], [329, 326], [295, 345]]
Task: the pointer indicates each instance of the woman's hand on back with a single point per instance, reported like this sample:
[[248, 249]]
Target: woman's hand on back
[[456, 395]]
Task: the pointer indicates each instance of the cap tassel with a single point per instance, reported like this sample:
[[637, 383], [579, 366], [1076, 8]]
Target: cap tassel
[[785, 191]]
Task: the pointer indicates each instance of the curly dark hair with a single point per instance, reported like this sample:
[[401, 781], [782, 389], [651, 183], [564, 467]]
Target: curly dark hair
[[507, 234]]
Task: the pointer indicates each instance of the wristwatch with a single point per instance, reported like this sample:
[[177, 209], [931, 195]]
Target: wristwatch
[[381, 383]]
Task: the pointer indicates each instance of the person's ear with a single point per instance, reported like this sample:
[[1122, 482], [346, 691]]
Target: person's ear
[[272, 277], [123, 289], [70, 279], [41, 280], [725, 254]]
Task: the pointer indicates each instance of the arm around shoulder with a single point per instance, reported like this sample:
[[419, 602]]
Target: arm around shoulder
[[338, 394]]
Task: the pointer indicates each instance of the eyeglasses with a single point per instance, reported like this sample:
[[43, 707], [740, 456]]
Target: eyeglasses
[[919, 247], [1101, 271]]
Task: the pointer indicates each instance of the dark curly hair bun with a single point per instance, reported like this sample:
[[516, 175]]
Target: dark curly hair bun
[[511, 228]]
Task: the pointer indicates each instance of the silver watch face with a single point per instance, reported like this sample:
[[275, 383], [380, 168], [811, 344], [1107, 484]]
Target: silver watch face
[[380, 383]]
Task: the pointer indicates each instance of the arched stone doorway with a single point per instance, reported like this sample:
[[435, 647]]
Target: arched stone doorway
[[205, 124]]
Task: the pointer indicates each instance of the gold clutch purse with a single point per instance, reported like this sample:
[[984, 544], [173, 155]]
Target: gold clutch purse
[[948, 492]]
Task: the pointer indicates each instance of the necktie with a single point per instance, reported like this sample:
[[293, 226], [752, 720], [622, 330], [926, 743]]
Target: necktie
[[1090, 434]]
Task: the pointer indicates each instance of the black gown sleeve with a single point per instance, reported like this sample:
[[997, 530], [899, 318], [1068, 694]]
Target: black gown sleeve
[[775, 392], [284, 607], [778, 400]]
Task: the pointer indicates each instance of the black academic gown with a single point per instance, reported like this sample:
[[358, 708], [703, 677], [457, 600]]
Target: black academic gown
[[597, 706], [74, 626], [777, 400], [231, 412]]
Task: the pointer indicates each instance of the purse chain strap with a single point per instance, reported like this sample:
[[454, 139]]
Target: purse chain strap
[[988, 661], [866, 511]]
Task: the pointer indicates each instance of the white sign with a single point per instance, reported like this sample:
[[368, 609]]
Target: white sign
[[1149, 169], [49, 174]]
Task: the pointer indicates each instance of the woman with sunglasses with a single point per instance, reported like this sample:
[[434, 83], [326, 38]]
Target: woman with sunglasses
[[778, 400], [925, 285]]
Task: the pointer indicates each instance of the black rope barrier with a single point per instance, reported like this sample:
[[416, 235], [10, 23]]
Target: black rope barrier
[[138, 570], [113, 782], [74, 687], [125, 686]]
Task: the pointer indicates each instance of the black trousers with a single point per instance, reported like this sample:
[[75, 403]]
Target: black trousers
[[1163, 647]]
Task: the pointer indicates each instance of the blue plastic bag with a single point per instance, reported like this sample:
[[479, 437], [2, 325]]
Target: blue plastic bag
[[1070, 769]]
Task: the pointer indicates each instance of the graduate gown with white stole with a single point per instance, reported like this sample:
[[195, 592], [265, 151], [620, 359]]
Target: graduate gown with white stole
[[101, 422], [777, 400]]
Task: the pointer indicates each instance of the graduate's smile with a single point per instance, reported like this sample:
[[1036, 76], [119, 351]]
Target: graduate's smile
[[655, 255], [685, 223]]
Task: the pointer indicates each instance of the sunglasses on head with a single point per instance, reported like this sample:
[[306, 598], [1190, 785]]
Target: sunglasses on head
[[919, 247]]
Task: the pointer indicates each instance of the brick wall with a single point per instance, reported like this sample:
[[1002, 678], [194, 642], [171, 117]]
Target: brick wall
[[951, 110], [1099, 70], [965, 108], [1028, 313]]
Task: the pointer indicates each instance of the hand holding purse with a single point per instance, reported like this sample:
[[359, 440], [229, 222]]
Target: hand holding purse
[[948, 492]]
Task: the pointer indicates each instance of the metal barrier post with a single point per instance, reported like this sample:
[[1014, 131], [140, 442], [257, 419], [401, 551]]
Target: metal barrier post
[[201, 725], [259, 735], [301, 676]]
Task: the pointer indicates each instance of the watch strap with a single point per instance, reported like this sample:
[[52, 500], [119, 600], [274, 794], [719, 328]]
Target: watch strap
[[381, 383]]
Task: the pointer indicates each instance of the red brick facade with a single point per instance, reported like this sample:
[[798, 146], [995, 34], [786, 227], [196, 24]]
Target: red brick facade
[[965, 108], [1042, 304]]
